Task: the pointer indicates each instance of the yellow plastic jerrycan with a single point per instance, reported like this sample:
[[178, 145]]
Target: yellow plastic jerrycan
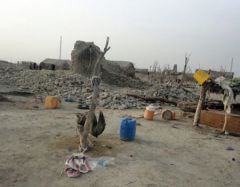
[[52, 102], [201, 77]]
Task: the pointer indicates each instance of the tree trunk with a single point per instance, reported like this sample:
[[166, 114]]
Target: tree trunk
[[185, 69]]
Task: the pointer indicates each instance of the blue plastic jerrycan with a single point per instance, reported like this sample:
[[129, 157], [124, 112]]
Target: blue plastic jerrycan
[[127, 129]]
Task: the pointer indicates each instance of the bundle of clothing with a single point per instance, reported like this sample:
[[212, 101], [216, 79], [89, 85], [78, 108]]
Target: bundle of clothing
[[77, 164]]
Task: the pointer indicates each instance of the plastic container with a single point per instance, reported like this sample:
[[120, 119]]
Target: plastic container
[[201, 77], [128, 129], [168, 114], [149, 113], [52, 102]]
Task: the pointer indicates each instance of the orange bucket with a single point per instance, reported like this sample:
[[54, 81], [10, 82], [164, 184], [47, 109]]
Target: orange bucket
[[148, 114]]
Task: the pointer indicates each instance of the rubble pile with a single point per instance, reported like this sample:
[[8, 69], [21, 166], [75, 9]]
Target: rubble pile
[[46, 82], [175, 93], [66, 84], [120, 101], [7, 70]]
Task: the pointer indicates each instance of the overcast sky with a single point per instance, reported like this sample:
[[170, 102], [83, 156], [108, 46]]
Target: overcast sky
[[141, 31]]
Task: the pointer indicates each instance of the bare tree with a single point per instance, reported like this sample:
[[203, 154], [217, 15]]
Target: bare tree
[[154, 67], [96, 80], [187, 58], [96, 76]]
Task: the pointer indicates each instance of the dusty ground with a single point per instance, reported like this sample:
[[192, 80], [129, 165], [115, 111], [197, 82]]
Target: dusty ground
[[35, 143]]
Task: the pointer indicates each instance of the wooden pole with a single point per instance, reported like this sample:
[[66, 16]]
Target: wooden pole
[[227, 99], [153, 99], [200, 104]]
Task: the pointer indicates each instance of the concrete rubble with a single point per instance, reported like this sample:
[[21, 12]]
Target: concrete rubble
[[67, 84]]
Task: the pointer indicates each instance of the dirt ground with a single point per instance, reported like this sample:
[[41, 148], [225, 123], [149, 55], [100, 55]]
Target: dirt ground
[[35, 143]]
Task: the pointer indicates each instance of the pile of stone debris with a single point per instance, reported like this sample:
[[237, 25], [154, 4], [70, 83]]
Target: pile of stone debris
[[176, 93], [66, 84]]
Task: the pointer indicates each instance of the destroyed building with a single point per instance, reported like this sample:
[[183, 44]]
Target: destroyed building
[[28, 65], [84, 57], [55, 64]]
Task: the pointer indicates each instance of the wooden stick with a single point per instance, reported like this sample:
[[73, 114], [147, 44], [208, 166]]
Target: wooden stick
[[200, 104], [153, 99]]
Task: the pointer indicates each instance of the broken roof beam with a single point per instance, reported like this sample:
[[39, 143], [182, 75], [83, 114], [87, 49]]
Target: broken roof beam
[[153, 99]]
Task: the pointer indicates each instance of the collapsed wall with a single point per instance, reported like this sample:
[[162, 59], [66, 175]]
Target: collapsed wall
[[84, 57]]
